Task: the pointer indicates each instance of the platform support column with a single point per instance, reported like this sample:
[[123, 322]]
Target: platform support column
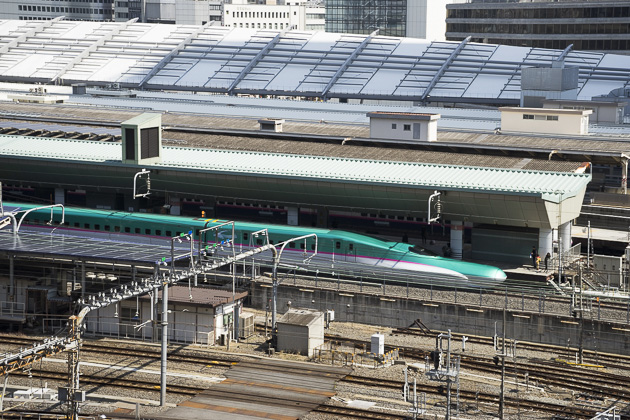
[[11, 280], [60, 196], [564, 236], [545, 242], [293, 214], [457, 239]]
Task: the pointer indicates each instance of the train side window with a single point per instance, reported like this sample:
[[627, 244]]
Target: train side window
[[291, 244], [245, 236], [313, 247], [116, 228], [258, 241], [178, 233], [147, 231], [127, 229], [107, 227], [197, 232], [97, 227], [137, 230], [86, 226], [77, 224], [158, 232], [350, 247], [169, 233], [338, 245], [302, 246]]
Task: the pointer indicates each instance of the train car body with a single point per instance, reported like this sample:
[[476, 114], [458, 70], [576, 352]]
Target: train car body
[[336, 245]]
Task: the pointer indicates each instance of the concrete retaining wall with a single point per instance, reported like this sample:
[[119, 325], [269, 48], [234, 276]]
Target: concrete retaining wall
[[465, 319]]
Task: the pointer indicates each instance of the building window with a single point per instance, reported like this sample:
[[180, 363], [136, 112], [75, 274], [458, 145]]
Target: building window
[[552, 118], [528, 117], [407, 127], [393, 126]]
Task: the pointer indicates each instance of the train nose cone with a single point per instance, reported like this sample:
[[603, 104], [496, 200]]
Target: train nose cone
[[499, 275]]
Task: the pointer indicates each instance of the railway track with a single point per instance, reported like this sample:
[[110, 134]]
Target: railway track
[[587, 383], [356, 413], [617, 361], [476, 398], [114, 382], [130, 351]]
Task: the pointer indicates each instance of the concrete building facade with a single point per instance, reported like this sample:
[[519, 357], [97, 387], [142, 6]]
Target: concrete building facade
[[98, 10], [410, 18], [545, 120], [297, 16], [602, 25], [403, 126]]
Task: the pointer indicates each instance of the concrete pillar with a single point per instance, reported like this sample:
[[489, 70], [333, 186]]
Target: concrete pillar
[[60, 196], [292, 216], [322, 217], [457, 239], [545, 242], [565, 236]]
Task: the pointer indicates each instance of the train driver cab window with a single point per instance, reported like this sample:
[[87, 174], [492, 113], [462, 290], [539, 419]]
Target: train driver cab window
[[137, 230], [338, 245]]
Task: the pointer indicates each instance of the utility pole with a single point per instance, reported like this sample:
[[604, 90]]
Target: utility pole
[[581, 336], [442, 370], [73, 369], [502, 394]]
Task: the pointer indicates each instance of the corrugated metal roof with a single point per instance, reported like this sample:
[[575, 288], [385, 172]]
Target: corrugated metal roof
[[200, 295], [422, 175], [288, 63], [302, 317]]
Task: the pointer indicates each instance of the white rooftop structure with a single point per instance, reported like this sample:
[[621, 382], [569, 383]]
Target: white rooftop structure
[[289, 63]]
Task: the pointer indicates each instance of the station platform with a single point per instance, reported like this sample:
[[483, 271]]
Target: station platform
[[262, 389], [514, 271]]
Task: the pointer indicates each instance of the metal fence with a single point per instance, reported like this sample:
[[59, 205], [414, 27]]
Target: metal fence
[[346, 354]]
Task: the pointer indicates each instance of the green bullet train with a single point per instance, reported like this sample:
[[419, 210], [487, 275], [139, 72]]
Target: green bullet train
[[337, 246]]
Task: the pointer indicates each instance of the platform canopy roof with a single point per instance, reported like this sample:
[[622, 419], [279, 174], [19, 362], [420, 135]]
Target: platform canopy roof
[[290, 63], [550, 186]]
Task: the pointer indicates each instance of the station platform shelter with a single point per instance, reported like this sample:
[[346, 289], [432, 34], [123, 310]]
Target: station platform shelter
[[503, 213]]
